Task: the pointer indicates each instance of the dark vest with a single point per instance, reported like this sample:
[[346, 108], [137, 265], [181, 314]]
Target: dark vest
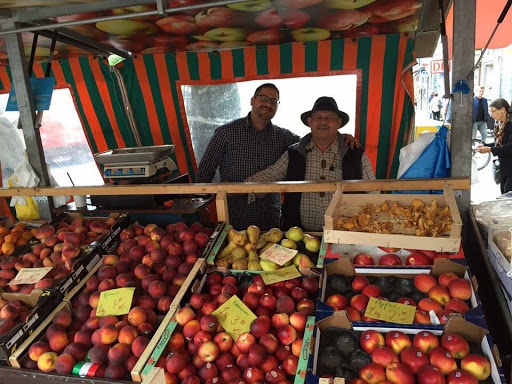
[[350, 166]]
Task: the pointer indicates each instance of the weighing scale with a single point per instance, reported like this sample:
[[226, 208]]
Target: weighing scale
[[137, 165]]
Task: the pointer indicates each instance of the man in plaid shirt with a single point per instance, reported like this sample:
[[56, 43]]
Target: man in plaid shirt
[[242, 148], [320, 155]]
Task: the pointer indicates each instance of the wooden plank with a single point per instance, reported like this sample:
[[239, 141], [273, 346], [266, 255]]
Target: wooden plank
[[156, 376], [288, 186], [221, 204], [329, 212]]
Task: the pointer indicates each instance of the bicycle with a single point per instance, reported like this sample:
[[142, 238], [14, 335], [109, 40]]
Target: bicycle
[[481, 159]]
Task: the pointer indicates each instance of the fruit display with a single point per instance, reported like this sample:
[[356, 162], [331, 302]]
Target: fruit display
[[436, 294], [200, 350], [405, 356], [242, 250], [15, 237]]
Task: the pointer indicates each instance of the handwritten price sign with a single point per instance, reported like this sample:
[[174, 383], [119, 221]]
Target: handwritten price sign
[[279, 254], [115, 302], [234, 316], [282, 274], [30, 275], [390, 312]]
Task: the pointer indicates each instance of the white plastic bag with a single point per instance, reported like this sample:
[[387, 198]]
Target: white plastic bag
[[26, 206], [410, 153]]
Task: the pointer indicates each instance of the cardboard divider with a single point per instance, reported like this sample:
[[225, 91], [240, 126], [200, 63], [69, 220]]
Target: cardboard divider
[[345, 267], [471, 332]]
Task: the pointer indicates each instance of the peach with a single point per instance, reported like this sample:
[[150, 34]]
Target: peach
[[157, 289], [51, 241], [119, 353], [77, 350], [164, 304], [141, 271], [98, 226], [107, 285], [99, 354], [45, 252], [106, 272], [191, 328], [139, 345], [69, 251], [137, 316], [47, 361], [30, 257], [72, 238], [113, 320], [8, 312], [94, 299], [45, 232], [37, 349], [107, 334], [285, 304], [83, 336], [92, 323], [184, 315], [115, 372], [127, 335], [82, 313], [63, 318], [58, 341]]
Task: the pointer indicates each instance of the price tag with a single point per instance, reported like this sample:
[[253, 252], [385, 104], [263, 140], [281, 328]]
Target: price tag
[[286, 273], [115, 302], [389, 311], [30, 275], [234, 316], [279, 254]]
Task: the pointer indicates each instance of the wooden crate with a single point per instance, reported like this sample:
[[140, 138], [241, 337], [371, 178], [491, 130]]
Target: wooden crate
[[348, 205]]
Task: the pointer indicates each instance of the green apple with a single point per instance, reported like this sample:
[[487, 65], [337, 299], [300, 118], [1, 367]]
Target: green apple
[[310, 34], [295, 234], [311, 243], [289, 243], [226, 34], [251, 6], [348, 4], [127, 27]]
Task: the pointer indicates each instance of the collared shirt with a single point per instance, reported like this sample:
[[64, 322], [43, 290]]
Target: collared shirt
[[313, 204], [239, 151]]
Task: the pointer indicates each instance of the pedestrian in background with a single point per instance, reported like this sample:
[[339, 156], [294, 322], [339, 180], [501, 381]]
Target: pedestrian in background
[[480, 114], [435, 107]]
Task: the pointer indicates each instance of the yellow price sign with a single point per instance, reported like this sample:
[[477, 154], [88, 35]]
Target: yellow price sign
[[234, 316], [279, 254], [282, 274], [115, 302], [30, 275], [389, 311]]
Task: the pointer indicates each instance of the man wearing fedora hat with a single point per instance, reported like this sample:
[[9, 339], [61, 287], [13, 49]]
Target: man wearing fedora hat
[[320, 155]]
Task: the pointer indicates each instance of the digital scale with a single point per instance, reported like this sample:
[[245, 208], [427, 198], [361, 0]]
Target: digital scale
[[137, 165]]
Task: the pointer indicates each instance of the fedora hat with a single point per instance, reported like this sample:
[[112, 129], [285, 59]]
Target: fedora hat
[[325, 103]]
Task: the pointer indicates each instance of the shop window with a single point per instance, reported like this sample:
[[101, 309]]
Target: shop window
[[65, 146], [210, 106]]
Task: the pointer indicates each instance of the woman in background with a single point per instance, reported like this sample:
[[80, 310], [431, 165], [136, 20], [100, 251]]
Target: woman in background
[[500, 111]]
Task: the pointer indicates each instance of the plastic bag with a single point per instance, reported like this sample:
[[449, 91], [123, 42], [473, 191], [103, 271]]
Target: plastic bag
[[58, 201], [26, 206], [433, 162], [410, 153]]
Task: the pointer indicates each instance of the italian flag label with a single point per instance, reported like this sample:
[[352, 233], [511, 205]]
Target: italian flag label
[[84, 368]]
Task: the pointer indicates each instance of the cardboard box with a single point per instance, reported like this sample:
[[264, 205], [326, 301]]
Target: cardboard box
[[471, 332], [499, 261], [348, 205], [344, 267], [41, 302]]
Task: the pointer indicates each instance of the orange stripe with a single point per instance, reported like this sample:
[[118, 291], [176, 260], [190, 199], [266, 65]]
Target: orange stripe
[[38, 69], [154, 125], [226, 62], [59, 75], [4, 77], [350, 54], [375, 76], [324, 56], [250, 62], [181, 62], [170, 113], [398, 98], [203, 62], [274, 59], [106, 100], [88, 107], [298, 58]]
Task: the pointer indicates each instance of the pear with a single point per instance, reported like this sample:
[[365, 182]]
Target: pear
[[253, 256], [239, 238], [274, 235], [265, 248], [296, 259], [253, 233], [305, 262], [295, 234], [311, 243], [289, 243], [240, 264], [249, 247], [223, 263], [254, 265], [226, 251], [269, 266], [261, 243], [237, 254]]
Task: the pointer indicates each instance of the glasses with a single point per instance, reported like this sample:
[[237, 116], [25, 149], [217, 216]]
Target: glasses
[[491, 111], [266, 99]]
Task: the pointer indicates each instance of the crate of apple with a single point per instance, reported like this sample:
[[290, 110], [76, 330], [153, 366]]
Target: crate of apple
[[444, 295], [201, 351], [401, 357], [390, 257]]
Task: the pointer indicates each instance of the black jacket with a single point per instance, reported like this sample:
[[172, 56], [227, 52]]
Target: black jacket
[[504, 151]]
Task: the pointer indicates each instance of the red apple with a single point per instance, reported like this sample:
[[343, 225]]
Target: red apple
[[455, 344], [399, 373], [363, 259], [372, 373], [390, 259], [461, 377], [425, 341], [442, 360], [460, 289], [418, 259], [370, 339], [359, 282], [414, 359], [397, 341], [384, 356], [478, 365], [430, 375]]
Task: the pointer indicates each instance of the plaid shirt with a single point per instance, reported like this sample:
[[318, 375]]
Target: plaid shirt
[[239, 151], [318, 165]]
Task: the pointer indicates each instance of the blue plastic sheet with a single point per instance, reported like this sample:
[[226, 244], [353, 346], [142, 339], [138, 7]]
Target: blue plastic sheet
[[434, 162]]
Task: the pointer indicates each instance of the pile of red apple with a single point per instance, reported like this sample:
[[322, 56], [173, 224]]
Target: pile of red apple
[[426, 359], [157, 270], [59, 248], [415, 258], [444, 295], [201, 351]]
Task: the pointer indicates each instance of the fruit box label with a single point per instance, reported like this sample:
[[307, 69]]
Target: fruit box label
[[30, 275], [286, 273], [115, 302], [234, 316], [279, 254], [389, 311], [160, 347]]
